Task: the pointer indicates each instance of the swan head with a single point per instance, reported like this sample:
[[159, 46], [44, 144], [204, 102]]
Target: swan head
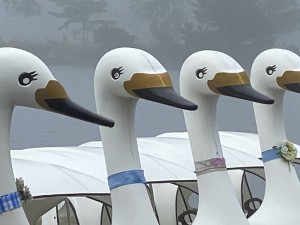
[[276, 70], [215, 73], [26, 81], [132, 74]]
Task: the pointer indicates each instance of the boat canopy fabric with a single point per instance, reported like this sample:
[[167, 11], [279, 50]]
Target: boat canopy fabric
[[57, 171], [81, 170], [244, 142]]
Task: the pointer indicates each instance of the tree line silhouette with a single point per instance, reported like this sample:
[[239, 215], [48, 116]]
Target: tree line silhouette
[[170, 29]]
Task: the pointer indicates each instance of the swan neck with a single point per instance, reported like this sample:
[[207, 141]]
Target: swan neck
[[205, 143], [6, 176], [282, 184], [7, 180], [270, 121], [202, 128], [121, 154], [119, 142]]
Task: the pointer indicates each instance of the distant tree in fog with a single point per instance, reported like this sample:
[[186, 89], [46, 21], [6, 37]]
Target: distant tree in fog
[[278, 6], [166, 19], [244, 28], [241, 28], [79, 11], [161, 26], [108, 36], [25, 8]]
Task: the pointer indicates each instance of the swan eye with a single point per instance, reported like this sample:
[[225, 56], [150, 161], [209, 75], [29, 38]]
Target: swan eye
[[201, 72], [271, 69], [116, 72], [26, 78]]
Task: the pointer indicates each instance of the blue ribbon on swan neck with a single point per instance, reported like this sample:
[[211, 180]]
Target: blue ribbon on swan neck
[[270, 155], [10, 202], [126, 177]]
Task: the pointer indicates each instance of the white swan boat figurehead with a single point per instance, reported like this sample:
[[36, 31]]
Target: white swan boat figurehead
[[26, 81], [273, 72], [204, 76], [122, 76]]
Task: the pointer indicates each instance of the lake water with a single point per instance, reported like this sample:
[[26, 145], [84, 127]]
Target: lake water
[[33, 128]]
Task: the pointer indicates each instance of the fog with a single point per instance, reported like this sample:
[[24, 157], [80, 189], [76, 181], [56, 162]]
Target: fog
[[70, 36]]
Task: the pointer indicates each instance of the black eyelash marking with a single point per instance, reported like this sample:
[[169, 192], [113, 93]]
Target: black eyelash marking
[[271, 69], [27, 77], [201, 72], [116, 72]]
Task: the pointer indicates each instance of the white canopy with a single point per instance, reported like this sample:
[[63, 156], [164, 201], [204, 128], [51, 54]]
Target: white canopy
[[244, 142], [61, 170], [81, 170]]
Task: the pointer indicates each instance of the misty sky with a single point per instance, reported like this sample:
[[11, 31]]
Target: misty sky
[[48, 129], [41, 27], [18, 27]]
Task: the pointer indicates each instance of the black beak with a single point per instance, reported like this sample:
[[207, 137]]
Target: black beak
[[245, 91], [294, 87], [54, 98], [67, 107], [166, 96]]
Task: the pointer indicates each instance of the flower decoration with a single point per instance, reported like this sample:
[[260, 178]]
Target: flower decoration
[[287, 150], [23, 190]]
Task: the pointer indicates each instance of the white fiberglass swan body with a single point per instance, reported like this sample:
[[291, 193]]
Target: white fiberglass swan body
[[122, 75], [26, 81], [274, 71], [203, 77]]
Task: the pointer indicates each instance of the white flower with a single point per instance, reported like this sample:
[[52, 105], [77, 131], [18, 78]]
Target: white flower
[[287, 150], [284, 149], [23, 190]]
